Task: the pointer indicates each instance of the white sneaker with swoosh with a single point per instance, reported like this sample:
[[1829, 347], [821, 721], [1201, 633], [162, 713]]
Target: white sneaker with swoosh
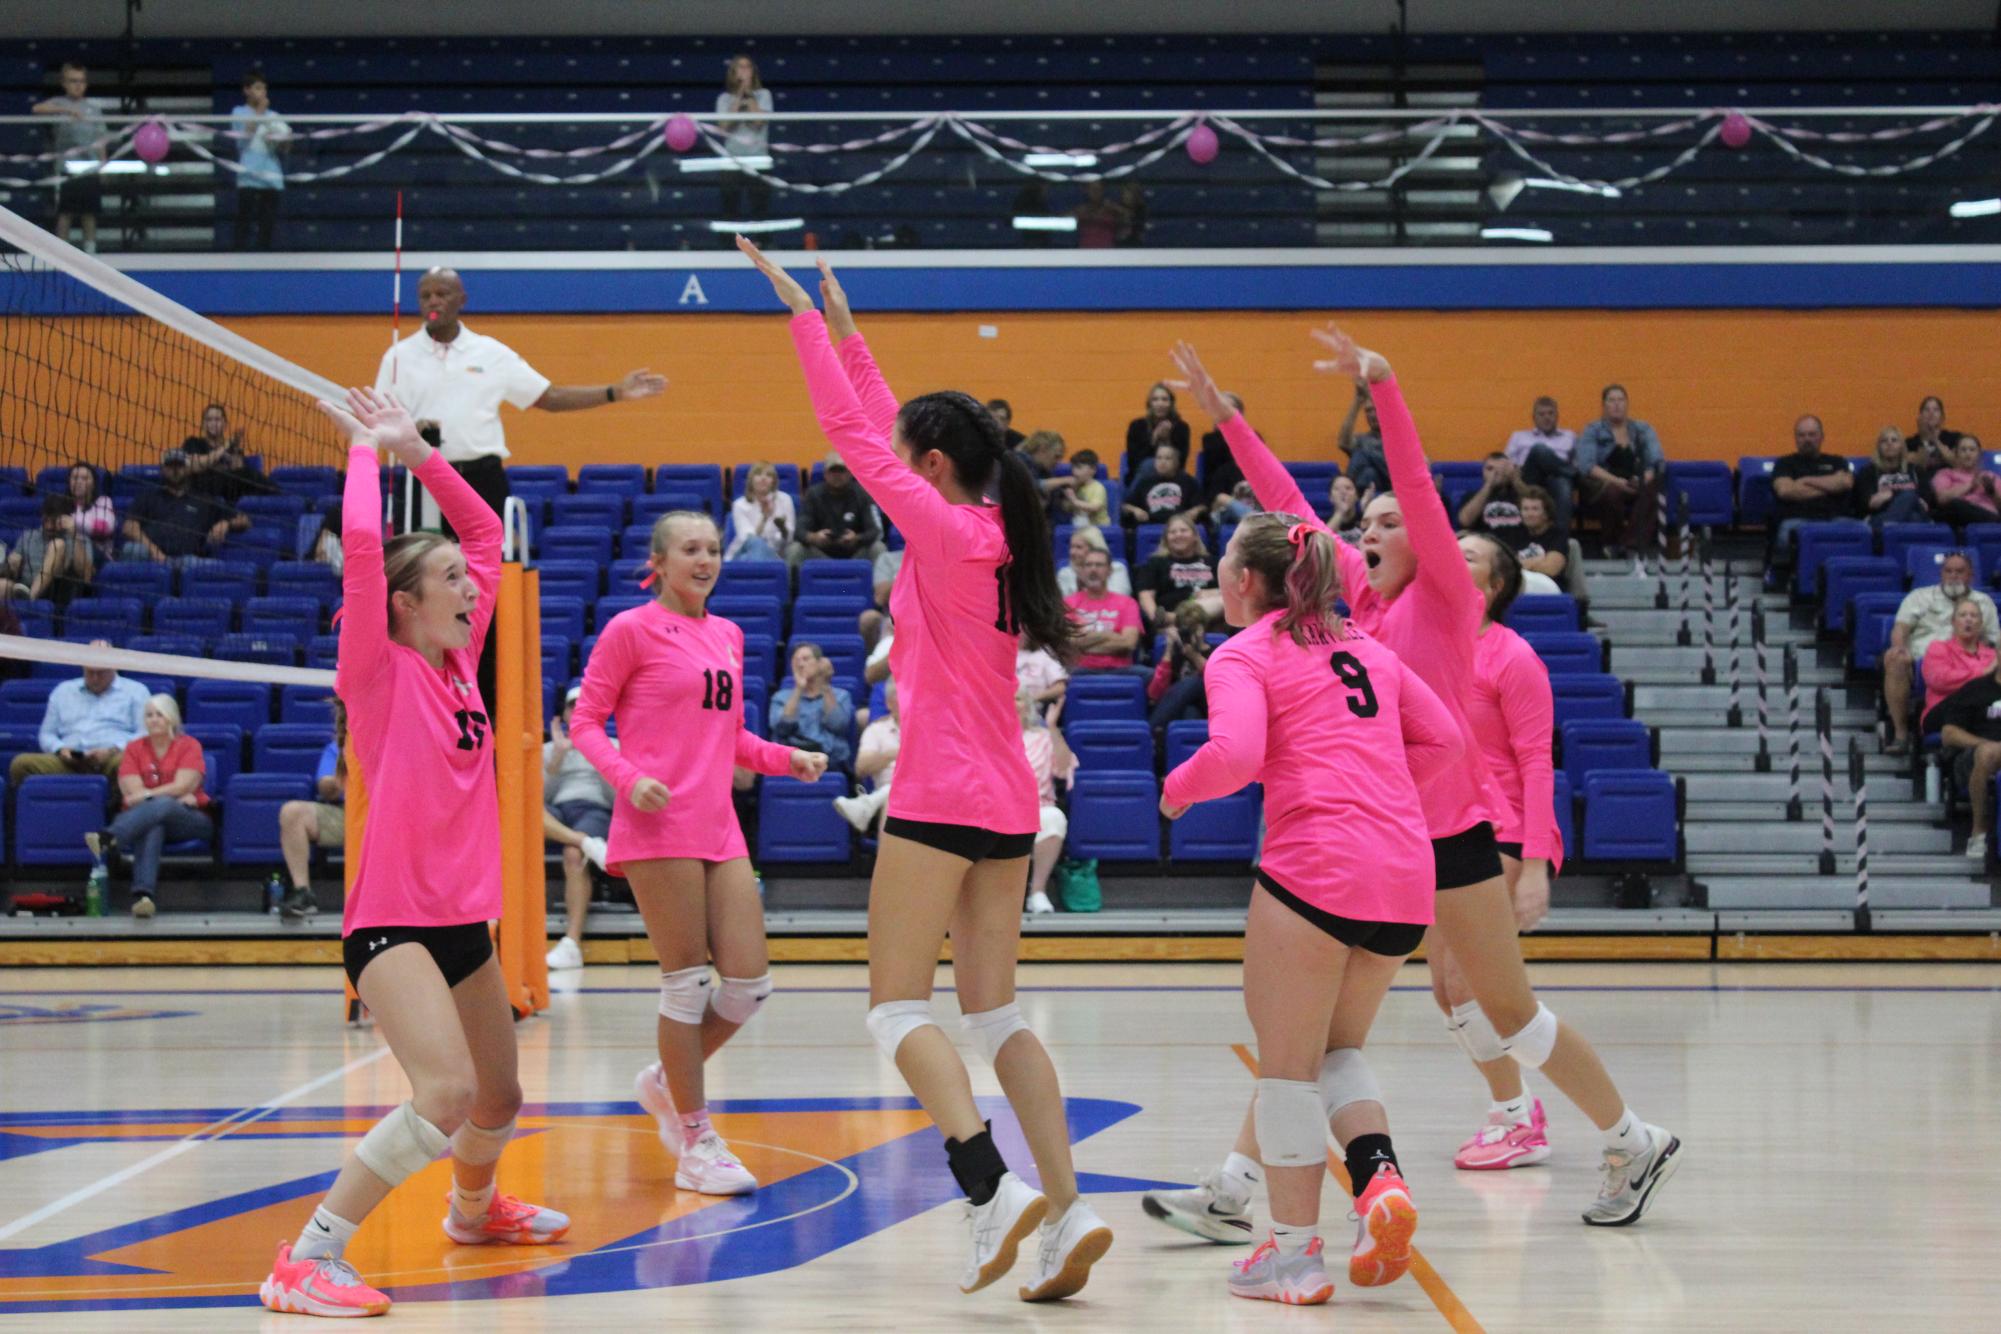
[[1633, 1179], [1203, 1211]]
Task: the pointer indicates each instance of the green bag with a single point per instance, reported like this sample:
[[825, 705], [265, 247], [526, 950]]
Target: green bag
[[1076, 885]]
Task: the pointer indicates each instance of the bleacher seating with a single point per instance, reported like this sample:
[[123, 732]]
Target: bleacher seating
[[52, 813], [1591, 744], [1630, 815], [1816, 543], [1102, 744], [250, 815], [1115, 816], [1842, 578], [797, 822], [1588, 695], [1224, 830]]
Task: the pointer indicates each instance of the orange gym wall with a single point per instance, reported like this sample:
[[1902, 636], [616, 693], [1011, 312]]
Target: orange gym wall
[[1716, 384]]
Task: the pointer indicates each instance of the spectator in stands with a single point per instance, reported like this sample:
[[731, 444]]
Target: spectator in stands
[[51, 561], [10, 624], [1543, 455], [1366, 463], [211, 440], [79, 133], [1345, 506], [874, 624], [1099, 220], [763, 516], [1497, 506], [1965, 492], [1084, 539], [1162, 489], [1931, 446], [1176, 690], [1004, 414], [1545, 549], [875, 763], [1923, 618], [837, 519], [1044, 452], [226, 476], [173, 522], [1225, 497], [1888, 489], [1952, 662], [1808, 486], [1111, 621], [1620, 465], [1051, 759], [1179, 568], [1140, 439], [745, 101], [160, 798], [86, 725], [94, 516], [1083, 499], [326, 547], [260, 184], [1969, 724], [1038, 671], [812, 713], [1132, 227], [576, 814], [318, 823]]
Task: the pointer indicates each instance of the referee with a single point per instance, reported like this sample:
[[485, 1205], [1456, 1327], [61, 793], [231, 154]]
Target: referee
[[453, 382]]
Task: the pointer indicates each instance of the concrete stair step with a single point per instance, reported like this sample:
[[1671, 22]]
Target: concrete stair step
[[1728, 791], [1774, 812], [1847, 723], [1946, 866], [1699, 735], [1731, 836], [1740, 892], [1690, 693]]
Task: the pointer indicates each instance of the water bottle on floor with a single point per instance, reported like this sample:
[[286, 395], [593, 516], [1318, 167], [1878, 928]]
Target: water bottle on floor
[[93, 890], [274, 893]]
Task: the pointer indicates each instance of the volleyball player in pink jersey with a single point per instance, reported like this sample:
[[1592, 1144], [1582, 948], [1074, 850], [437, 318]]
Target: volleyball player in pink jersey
[[978, 575], [673, 675], [1513, 718], [414, 934], [1340, 733], [1407, 585]]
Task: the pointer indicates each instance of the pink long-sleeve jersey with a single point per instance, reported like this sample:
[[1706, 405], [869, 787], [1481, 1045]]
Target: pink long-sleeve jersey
[[953, 659], [675, 683], [430, 848], [1432, 624], [1512, 719], [1342, 735]]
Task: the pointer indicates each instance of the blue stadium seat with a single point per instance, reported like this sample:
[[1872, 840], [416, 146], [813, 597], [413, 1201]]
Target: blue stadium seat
[[273, 648], [1706, 488], [229, 581], [1097, 695], [250, 815], [259, 548], [538, 479], [563, 616], [1870, 618], [1898, 538], [816, 617], [581, 543], [1754, 491], [6, 799], [323, 652], [753, 613], [280, 508], [849, 579], [311, 705], [1566, 812], [1105, 744], [797, 822], [312, 482], [222, 754], [13, 481], [1115, 816], [52, 813], [1922, 564], [185, 645], [289, 747], [623, 479], [135, 579], [579, 579], [296, 616], [115, 620], [1590, 744], [611, 604], [1543, 613], [558, 657], [1184, 737], [245, 703], [1842, 578], [844, 651], [756, 704], [1587, 695], [56, 671], [587, 509], [304, 579], [16, 740], [702, 479], [767, 578], [199, 618], [1819, 541], [1225, 829], [23, 702], [37, 616], [760, 656], [1145, 540], [635, 540], [1630, 816], [1568, 652]]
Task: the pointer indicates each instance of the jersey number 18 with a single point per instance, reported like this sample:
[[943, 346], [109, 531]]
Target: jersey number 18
[[718, 689]]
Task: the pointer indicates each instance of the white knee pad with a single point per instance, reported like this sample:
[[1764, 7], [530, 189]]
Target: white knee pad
[[1532, 1046], [1292, 1129], [1345, 1078], [992, 1028], [892, 1021], [476, 1144], [400, 1145], [1474, 1032], [738, 998], [684, 995]]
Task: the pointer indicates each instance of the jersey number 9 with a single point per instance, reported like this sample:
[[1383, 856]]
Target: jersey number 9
[[1361, 695]]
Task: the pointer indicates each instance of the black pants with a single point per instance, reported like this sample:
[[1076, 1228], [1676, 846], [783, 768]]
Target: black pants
[[256, 210], [739, 189], [487, 476]]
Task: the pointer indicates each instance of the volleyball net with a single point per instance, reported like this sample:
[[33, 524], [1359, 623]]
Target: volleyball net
[[169, 500]]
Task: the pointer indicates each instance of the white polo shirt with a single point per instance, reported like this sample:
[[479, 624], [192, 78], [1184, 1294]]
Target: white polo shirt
[[460, 385]]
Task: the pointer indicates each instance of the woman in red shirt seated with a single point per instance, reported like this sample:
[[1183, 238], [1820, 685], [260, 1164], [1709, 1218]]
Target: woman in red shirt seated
[[1951, 663], [160, 799]]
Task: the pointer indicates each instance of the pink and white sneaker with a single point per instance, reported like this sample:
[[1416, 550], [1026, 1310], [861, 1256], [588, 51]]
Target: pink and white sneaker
[[508, 1222], [1502, 1144], [323, 1287], [650, 1086], [1385, 1221]]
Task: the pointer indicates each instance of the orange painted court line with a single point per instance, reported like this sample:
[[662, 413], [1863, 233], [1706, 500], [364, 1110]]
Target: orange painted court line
[[1435, 1287]]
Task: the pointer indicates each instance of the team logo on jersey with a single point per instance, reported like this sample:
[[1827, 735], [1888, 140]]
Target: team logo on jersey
[[832, 1171]]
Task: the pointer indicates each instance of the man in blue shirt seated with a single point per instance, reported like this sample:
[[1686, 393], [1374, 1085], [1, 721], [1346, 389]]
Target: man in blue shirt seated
[[321, 822], [811, 713], [87, 725]]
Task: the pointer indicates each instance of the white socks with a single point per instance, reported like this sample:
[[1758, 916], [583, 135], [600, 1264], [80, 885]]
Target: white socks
[[1240, 1177], [1292, 1241], [1515, 1111], [471, 1205], [1628, 1135], [325, 1238]]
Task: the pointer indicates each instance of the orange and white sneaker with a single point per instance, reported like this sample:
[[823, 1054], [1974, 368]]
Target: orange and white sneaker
[[323, 1287], [1385, 1221], [508, 1222]]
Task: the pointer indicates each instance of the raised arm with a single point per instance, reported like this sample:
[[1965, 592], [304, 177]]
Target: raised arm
[[1235, 750], [364, 616], [857, 362], [1276, 489]]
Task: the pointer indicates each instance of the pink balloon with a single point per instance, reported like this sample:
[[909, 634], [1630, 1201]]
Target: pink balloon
[[680, 132], [150, 143], [1202, 145], [1736, 130]]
